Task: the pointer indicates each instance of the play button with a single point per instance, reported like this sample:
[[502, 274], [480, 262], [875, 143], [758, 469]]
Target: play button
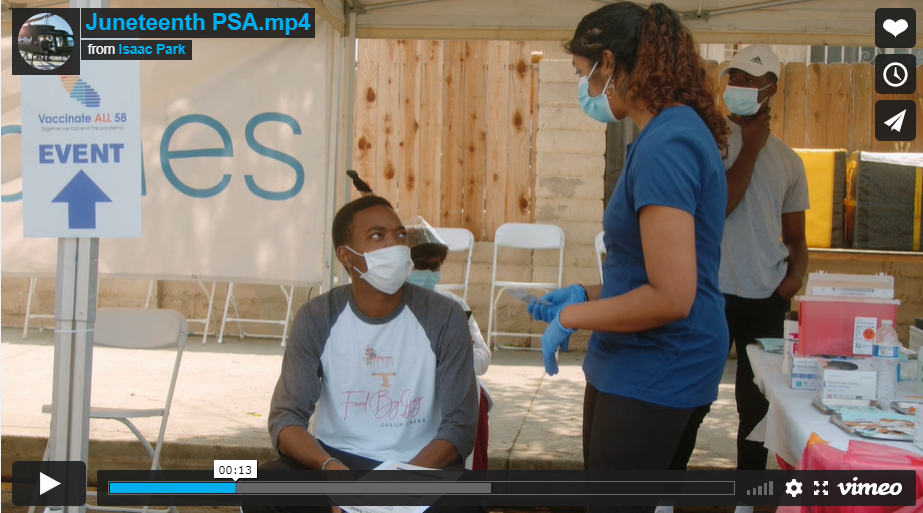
[[49, 483], [46, 483]]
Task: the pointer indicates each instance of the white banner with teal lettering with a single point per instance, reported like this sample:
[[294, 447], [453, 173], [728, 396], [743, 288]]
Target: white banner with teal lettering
[[81, 152], [235, 163]]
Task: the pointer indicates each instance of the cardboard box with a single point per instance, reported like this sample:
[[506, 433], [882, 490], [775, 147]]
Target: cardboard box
[[834, 378], [848, 384], [805, 373], [916, 338], [847, 378]]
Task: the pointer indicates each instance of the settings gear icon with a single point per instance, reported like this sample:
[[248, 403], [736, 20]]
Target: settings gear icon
[[793, 488]]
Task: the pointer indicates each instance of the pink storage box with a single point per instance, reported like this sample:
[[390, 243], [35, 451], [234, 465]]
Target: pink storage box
[[827, 313]]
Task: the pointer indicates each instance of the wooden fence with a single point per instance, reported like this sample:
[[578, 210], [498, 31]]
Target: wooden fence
[[831, 106], [444, 129]]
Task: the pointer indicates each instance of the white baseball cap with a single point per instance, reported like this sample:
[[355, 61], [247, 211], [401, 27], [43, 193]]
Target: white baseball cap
[[757, 60]]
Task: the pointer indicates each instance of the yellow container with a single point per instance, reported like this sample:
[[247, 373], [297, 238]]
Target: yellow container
[[826, 174]]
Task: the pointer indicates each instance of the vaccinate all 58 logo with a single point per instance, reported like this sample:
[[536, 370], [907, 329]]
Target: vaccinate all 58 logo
[[79, 90]]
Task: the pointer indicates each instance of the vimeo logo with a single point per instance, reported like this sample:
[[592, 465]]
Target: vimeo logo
[[857, 488]]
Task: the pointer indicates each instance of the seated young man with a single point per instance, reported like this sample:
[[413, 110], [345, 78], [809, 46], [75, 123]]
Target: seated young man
[[388, 364]]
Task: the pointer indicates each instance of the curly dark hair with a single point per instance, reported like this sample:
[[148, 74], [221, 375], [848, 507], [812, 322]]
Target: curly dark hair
[[657, 55]]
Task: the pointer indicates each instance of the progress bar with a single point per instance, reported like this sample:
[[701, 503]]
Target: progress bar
[[298, 488], [422, 488]]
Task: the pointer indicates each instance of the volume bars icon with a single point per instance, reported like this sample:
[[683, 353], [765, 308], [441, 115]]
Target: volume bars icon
[[763, 489]]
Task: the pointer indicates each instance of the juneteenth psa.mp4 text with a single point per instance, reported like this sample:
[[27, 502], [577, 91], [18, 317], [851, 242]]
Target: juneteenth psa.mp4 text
[[188, 23]]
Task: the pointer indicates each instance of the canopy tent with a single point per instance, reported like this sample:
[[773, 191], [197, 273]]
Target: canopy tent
[[799, 22]]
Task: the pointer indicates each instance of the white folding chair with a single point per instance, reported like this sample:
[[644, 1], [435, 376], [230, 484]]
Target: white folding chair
[[287, 291], [32, 302], [137, 328], [600, 251], [522, 236], [458, 239], [207, 321]]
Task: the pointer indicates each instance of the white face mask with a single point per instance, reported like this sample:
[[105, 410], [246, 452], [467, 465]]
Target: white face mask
[[388, 268]]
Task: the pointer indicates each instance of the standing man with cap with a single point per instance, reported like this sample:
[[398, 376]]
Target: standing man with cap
[[763, 254]]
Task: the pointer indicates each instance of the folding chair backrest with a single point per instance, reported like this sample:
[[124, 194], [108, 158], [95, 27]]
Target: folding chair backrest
[[529, 236], [600, 251], [140, 328], [458, 239], [522, 236]]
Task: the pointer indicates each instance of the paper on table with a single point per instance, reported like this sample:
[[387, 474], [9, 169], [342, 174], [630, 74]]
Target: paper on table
[[878, 423], [771, 345], [396, 465]]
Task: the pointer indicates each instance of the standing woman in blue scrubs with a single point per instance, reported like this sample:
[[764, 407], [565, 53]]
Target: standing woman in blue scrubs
[[659, 341]]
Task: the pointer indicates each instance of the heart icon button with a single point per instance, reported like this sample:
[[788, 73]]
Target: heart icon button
[[895, 27]]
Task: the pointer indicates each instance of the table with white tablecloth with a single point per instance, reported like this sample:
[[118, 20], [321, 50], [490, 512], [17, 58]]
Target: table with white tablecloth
[[792, 418]]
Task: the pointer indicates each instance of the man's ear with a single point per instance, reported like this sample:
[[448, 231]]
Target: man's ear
[[774, 88], [345, 257]]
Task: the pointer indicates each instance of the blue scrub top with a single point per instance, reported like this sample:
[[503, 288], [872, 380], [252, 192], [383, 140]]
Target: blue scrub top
[[674, 163]]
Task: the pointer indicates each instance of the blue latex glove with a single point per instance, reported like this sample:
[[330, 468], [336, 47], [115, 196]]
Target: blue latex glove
[[555, 336], [558, 299]]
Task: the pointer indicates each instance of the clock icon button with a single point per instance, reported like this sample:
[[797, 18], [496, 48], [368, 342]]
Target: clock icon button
[[895, 73]]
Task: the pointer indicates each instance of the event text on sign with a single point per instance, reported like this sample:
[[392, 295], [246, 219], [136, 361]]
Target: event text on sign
[[79, 153]]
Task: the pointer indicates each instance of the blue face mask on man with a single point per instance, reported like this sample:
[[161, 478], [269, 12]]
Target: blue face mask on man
[[425, 279], [743, 101], [597, 107]]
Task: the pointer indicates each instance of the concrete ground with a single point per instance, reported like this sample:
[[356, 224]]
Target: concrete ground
[[222, 401]]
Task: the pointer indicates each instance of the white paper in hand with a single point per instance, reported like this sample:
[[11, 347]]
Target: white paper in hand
[[396, 465]]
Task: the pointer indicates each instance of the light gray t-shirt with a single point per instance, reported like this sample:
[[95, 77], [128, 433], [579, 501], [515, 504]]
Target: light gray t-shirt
[[384, 387], [753, 257]]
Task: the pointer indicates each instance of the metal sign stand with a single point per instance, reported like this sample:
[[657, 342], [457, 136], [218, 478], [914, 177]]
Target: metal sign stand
[[75, 316]]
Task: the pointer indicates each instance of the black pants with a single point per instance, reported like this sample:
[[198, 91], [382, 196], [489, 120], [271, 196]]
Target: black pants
[[748, 320], [357, 464], [624, 434]]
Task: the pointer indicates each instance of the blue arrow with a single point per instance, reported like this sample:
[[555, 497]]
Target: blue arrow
[[81, 195]]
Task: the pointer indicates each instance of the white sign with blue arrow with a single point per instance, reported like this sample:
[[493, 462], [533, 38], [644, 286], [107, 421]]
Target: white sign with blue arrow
[[81, 152]]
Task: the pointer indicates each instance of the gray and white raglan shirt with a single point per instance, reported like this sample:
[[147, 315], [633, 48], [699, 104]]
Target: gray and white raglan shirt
[[384, 387]]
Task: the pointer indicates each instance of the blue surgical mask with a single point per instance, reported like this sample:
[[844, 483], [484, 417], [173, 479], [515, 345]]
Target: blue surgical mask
[[597, 107], [425, 279], [743, 101]]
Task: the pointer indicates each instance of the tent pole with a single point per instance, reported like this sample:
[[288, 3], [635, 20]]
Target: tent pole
[[349, 115]]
